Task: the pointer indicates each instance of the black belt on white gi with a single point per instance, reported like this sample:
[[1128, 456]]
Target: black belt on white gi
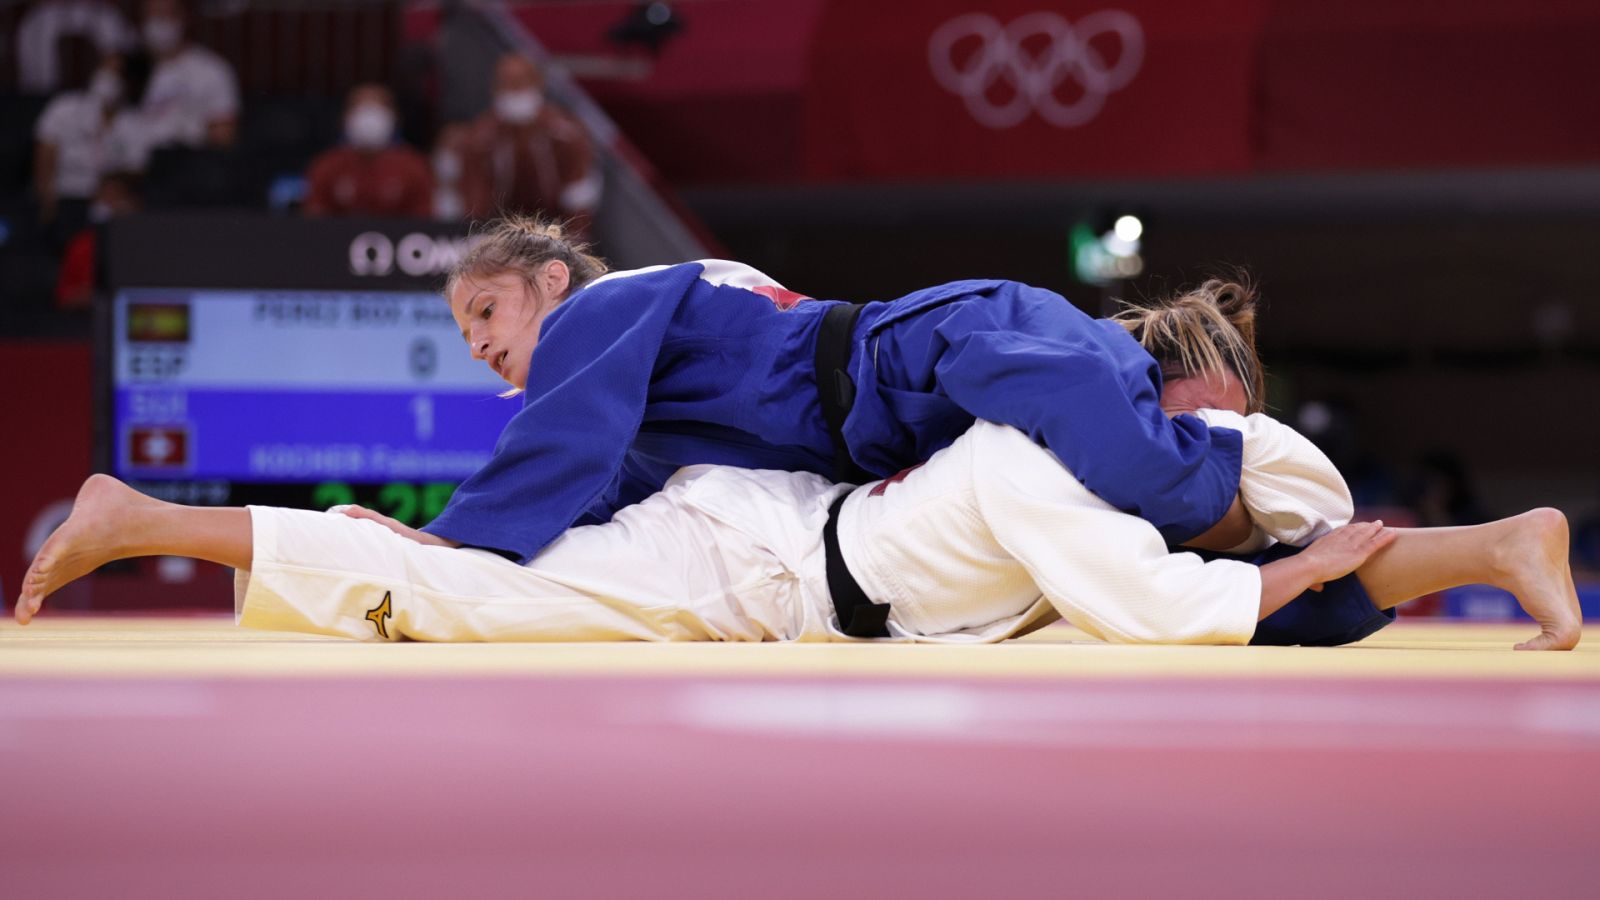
[[858, 615]]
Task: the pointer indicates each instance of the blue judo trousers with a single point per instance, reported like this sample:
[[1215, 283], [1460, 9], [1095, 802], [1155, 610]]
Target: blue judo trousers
[[637, 376]]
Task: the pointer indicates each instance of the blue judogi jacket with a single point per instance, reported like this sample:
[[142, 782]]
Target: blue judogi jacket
[[636, 376]]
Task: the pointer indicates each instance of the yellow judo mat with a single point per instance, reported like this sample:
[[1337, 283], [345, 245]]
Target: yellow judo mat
[[66, 645]]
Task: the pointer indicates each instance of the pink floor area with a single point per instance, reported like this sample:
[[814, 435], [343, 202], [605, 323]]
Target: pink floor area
[[579, 787]]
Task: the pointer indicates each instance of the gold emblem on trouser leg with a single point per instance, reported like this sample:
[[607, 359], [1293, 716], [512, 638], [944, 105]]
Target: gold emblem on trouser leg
[[378, 614]]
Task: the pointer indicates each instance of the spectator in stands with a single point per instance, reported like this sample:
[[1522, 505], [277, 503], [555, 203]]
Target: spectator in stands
[[84, 132], [39, 69], [193, 98], [525, 155], [117, 195], [371, 173], [130, 140]]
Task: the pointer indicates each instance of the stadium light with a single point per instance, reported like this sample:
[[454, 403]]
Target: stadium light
[[1106, 249]]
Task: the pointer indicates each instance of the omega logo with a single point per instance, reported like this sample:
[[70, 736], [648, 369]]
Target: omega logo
[[374, 254]]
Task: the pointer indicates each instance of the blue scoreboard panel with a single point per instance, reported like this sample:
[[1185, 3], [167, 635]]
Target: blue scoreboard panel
[[297, 386]]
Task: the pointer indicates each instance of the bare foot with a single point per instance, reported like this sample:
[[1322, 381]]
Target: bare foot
[[1534, 560], [96, 533]]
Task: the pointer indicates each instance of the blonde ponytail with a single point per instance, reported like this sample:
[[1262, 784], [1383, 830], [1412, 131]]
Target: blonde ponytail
[[1206, 332]]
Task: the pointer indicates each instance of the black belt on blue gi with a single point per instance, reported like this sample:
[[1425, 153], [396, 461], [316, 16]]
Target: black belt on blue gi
[[835, 390], [858, 615]]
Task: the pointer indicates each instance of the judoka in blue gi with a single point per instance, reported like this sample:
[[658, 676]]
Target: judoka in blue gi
[[629, 376]]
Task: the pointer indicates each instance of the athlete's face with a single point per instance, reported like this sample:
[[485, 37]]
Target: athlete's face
[[500, 317], [1185, 395]]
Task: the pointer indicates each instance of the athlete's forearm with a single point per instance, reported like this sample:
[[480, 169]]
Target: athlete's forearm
[[1334, 555], [1283, 580]]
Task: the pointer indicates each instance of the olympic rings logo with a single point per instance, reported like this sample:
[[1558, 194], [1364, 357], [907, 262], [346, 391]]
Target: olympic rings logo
[[1035, 76]]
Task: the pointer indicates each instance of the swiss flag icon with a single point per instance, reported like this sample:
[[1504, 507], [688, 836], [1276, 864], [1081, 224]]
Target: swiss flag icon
[[158, 447]]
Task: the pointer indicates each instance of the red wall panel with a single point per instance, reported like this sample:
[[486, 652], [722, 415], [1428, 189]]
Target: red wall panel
[[1375, 84], [45, 452]]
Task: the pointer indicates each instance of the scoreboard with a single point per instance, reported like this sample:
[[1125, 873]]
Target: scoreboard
[[342, 378], [297, 386]]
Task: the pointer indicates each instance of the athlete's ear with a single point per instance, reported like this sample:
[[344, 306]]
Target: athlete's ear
[[554, 278]]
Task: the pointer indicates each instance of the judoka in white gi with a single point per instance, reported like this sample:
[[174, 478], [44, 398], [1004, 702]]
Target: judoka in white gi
[[988, 538]]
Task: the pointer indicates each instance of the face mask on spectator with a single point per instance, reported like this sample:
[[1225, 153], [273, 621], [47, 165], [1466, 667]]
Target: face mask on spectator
[[369, 126], [162, 34], [106, 87], [518, 107]]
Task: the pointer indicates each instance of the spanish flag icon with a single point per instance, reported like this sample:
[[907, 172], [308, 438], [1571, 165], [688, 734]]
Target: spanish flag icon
[[165, 323]]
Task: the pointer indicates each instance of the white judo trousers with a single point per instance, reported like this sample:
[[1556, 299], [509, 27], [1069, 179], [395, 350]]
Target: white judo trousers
[[990, 537]]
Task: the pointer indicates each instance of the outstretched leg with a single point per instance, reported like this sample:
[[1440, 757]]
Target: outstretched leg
[[112, 521], [1526, 555]]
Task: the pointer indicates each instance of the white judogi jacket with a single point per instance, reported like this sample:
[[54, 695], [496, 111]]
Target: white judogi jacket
[[990, 537]]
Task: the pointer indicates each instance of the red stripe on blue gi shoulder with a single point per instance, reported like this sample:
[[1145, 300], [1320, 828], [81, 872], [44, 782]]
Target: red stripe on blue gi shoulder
[[780, 297]]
